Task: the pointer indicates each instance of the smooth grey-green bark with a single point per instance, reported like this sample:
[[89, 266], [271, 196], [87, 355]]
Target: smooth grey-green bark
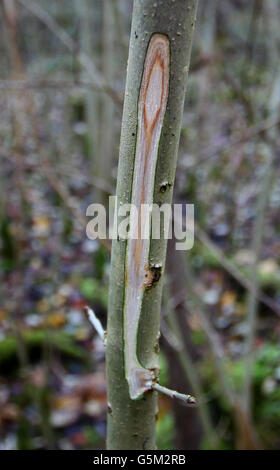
[[131, 423]]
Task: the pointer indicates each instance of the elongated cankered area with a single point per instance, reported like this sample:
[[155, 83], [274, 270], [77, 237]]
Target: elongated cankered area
[[151, 110]]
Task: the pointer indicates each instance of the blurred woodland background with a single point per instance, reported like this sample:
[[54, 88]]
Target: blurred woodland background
[[62, 78]]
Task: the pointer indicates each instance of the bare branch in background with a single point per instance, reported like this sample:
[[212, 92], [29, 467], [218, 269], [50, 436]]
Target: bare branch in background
[[248, 134], [68, 42], [30, 84]]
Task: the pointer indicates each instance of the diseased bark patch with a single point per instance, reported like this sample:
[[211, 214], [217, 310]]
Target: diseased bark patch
[[153, 275], [151, 110]]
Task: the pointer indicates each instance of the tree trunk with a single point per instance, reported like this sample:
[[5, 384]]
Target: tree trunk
[[86, 9], [187, 423], [158, 63], [104, 161]]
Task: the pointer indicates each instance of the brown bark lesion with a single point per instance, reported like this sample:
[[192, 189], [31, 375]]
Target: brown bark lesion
[[152, 275]]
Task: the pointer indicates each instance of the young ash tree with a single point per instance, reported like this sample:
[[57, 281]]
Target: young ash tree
[[158, 63]]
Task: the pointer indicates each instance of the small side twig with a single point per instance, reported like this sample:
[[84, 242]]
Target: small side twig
[[187, 399], [95, 322]]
